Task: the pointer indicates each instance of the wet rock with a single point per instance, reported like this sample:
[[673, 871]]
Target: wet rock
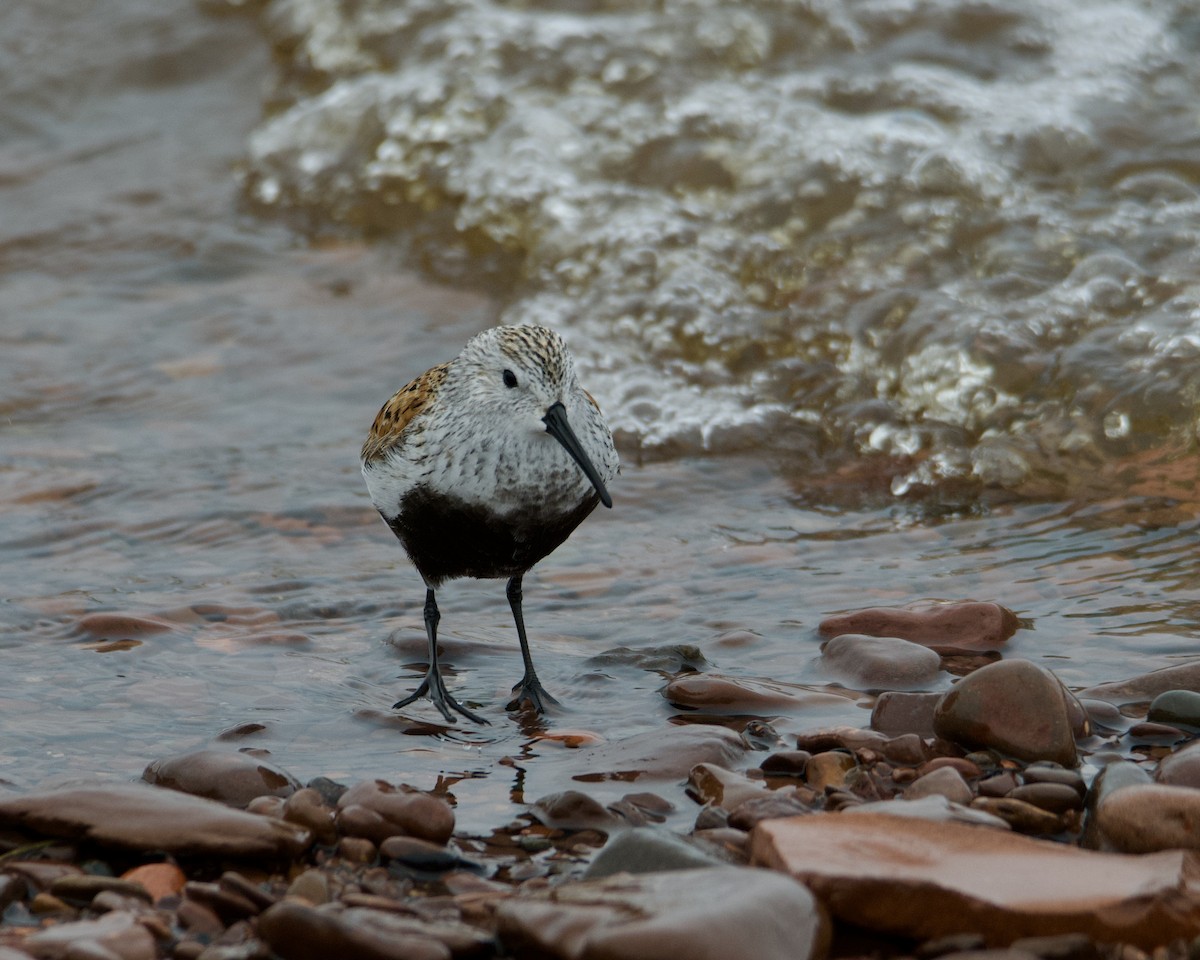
[[1054, 797], [120, 626], [144, 818], [967, 768], [719, 913], [786, 763], [709, 784], [1013, 706], [713, 694], [841, 738], [649, 850], [1065, 946], [571, 739], [1177, 708], [114, 936], [926, 880], [1043, 772], [959, 627], [1181, 768], [573, 810], [1184, 676], [667, 754], [312, 885], [1113, 777], [376, 810], [81, 888], [226, 904], [880, 663], [298, 932], [356, 850], [907, 748], [944, 781], [775, 803], [1144, 819], [1156, 733], [420, 859], [1022, 816], [898, 713], [997, 785], [228, 776], [307, 808], [829, 769], [934, 808]]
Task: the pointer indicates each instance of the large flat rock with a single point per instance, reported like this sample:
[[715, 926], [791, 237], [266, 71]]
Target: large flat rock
[[924, 880], [132, 816], [718, 913]]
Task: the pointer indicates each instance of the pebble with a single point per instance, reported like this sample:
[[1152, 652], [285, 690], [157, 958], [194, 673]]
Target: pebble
[[1113, 777], [312, 886], [930, 879], [786, 763], [80, 888], [829, 769], [1021, 815], [376, 810], [716, 913], [573, 810], [136, 817], [231, 777], [1054, 797], [865, 662], [307, 808], [649, 850], [959, 627], [1012, 706], [710, 784], [776, 803], [1148, 818], [997, 785], [944, 781], [1043, 772], [898, 713], [114, 936], [1181, 768]]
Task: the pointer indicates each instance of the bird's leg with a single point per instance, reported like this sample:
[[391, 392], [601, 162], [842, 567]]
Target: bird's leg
[[433, 686], [530, 688]]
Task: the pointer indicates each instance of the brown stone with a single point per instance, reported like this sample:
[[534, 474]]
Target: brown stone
[[144, 818], [829, 769], [1055, 797], [573, 810], [229, 776], [714, 694], [959, 627], [376, 810], [1181, 768], [924, 880], [120, 626], [1143, 819], [296, 931], [307, 808], [662, 754], [944, 781], [1184, 676], [1012, 706], [710, 784], [1022, 816]]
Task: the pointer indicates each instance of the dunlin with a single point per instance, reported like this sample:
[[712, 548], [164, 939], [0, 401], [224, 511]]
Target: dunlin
[[484, 465]]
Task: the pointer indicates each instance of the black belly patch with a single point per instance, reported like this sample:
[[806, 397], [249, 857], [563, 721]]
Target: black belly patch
[[446, 537]]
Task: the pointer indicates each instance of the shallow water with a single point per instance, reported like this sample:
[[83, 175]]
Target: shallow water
[[184, 386]]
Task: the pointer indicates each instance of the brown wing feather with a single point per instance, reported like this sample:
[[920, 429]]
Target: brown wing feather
[[398, 412]]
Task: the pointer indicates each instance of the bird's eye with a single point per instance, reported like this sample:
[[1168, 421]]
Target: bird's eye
[[510, 379]]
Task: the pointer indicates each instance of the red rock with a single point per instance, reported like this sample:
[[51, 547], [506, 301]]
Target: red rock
[[865, 662], [157, 879], [963, 626], [733, 694], [117, 934], [662, 754], [924, 880]]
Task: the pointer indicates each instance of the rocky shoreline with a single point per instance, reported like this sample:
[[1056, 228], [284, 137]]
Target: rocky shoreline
[[1005, 816]]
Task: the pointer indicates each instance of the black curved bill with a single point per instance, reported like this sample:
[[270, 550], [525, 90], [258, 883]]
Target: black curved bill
[[559, 428]]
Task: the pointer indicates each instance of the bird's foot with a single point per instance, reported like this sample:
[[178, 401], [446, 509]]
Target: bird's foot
[[531, 691], [433, 688]]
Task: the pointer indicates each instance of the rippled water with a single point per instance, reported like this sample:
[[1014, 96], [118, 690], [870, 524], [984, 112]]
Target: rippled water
[[957, 236]]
